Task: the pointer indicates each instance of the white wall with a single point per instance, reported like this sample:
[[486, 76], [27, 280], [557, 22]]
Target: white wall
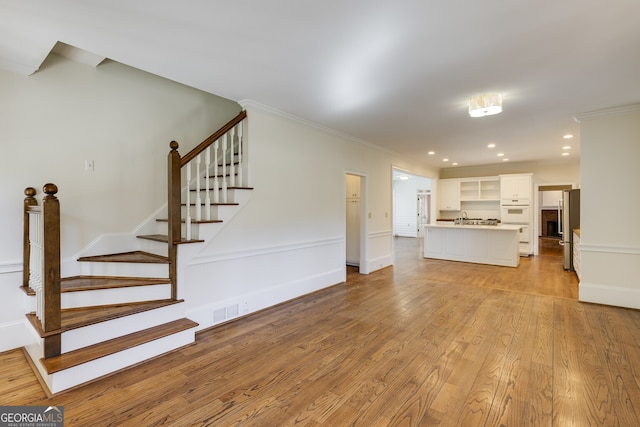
[[287, 241], [610, 202], [290, 239], [121, 118]]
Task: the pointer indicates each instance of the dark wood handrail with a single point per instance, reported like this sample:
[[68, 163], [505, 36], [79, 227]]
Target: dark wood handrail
[[213, 138], [175, 164]]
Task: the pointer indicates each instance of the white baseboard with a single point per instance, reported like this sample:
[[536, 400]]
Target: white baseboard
[[13, 335], [243, 305], [610, 295]]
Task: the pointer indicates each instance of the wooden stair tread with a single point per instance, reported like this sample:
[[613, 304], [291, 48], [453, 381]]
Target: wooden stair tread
[[86, 283], [228, 188], [165, 239], [96, 351], [212, 204], [135, 256], [202, 221], [73, 318]]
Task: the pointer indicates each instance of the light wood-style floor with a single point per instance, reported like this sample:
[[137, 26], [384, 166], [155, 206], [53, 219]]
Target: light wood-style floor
[[425, 342]]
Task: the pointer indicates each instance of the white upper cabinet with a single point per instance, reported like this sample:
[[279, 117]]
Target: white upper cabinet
[[449, 195], [516, 189]]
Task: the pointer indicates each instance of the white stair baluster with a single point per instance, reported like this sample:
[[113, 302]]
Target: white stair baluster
[[239, 171], [188, 208], [207, 192], [36, 261], [224, 168], [198, 198], [216, 184], [232, 166]]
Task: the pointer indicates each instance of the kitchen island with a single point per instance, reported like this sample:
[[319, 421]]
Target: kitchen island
[[483, 244]]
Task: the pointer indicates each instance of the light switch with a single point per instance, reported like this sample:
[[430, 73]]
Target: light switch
[[89, 165]]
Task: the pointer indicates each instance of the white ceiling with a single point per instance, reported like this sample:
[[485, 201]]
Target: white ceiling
[[396, 74]]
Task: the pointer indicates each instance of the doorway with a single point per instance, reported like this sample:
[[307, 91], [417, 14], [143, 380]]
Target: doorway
[[355, 244], [411, 203], [547, 218]]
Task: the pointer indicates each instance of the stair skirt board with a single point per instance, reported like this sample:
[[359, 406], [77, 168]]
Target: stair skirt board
[[93, 334], [106, 365], [91, 298]]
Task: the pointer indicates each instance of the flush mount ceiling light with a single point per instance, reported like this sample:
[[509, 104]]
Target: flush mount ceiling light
[[485, 105]]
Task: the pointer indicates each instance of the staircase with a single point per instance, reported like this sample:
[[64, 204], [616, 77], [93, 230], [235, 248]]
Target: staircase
[[124, 308]]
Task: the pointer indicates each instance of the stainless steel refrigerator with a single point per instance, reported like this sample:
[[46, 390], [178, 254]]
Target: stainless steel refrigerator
[[569, 220]]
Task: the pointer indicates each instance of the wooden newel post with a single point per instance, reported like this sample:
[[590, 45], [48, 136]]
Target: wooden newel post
[[29, 200], [51, 275], [174, 226]]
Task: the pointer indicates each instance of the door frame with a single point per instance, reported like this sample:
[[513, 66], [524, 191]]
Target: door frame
[[536, 209], [364, 226]]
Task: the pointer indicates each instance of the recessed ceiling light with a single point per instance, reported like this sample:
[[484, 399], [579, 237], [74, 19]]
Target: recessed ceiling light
[[492, 145], [567, 136], [431, 153], [404, 177], [565, 153], [500, 154], [505, 160], [445, 160], [455, 164], [566, 147]]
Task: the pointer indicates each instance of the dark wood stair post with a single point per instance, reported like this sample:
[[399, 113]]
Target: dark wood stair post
[[174, 220], [51, 274]]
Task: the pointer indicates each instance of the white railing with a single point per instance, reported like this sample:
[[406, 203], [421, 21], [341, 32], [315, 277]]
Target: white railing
[[223, 161], [36, 259]]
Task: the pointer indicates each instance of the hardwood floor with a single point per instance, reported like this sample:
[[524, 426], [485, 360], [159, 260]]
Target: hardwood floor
[[425, 342]]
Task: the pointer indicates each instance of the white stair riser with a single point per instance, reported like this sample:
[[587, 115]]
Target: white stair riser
[[232, 195], [124, 269], [115, 295], [154, 247], [93, 334], [100, 367]]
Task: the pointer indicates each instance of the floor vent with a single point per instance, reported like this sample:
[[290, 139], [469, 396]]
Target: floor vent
[[225, 313]]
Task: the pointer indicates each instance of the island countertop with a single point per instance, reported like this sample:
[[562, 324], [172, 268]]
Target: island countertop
[[503, 227]]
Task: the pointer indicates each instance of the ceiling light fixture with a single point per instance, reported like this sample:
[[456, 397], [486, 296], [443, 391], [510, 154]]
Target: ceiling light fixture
[[567, 136], [485, 105], [492, 145]]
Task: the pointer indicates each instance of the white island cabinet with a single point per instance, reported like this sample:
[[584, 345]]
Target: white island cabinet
[[483, 244]]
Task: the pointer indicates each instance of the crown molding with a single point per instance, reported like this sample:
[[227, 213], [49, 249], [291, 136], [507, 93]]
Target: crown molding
[[607, 112]]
